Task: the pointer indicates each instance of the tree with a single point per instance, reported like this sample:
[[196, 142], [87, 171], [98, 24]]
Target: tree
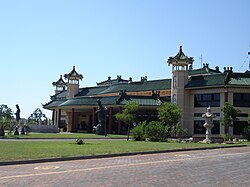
[[169, 115], [246, 131], [4, 122], [229, 116], [37, 117], [128, 115], [6, 115], [5, 111]]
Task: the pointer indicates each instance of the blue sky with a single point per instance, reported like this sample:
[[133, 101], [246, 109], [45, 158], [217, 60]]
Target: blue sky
[[42, 39]]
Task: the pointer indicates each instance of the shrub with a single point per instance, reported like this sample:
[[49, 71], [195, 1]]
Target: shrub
[[246, 133], [138, 132], [80, 141], [2, 132], [228, 138], [155, 132], [179, 131]]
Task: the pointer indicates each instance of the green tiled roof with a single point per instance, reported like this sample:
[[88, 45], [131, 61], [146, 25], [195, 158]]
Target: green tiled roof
[[110, 81], [163, 84], [227, 78], [92, 101], [87, 101], [206, 80], [62, 94], [242, 79], [90, 91], [203, 71], [199, 78], [86, 95], [54, 103]]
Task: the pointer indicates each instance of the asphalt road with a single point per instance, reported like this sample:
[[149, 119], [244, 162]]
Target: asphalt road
[[219, 167]]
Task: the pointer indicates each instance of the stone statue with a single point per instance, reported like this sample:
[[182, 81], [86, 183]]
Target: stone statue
[[17, 113], [208, 124], [100, 127], [17, 119]]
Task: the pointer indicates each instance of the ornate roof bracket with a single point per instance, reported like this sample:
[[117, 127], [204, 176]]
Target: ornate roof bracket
[[156, 95], [123, 95]]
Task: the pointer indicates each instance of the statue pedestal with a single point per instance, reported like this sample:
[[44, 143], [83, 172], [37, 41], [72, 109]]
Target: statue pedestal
[[100, 129], [208, 133], [16, 131]]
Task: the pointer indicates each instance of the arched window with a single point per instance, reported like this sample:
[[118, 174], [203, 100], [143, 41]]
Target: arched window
[[174, 81]]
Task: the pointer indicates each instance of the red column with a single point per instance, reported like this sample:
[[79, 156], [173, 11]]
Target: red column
[[73, 120], [53, 117], [110, 119], [59, 118], [93, 117], [119, 122]]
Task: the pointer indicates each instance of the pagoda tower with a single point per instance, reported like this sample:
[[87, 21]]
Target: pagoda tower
[[60, 85], [180, 63], [73, 82]]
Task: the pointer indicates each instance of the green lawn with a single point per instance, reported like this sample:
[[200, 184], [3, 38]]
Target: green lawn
[[65, 135], [24, 150]]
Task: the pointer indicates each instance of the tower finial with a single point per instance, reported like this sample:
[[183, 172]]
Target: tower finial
[[180, 48]]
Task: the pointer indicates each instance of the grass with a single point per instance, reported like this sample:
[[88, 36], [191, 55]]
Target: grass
[[64, 135], [25, 150]]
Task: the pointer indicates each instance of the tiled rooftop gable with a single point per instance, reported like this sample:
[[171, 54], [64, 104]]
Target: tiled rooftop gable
[[225, 78]]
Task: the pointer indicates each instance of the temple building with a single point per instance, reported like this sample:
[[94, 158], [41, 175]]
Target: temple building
[[193, 90]]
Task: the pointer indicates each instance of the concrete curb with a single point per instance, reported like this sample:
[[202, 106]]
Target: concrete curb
[[109, 155]]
